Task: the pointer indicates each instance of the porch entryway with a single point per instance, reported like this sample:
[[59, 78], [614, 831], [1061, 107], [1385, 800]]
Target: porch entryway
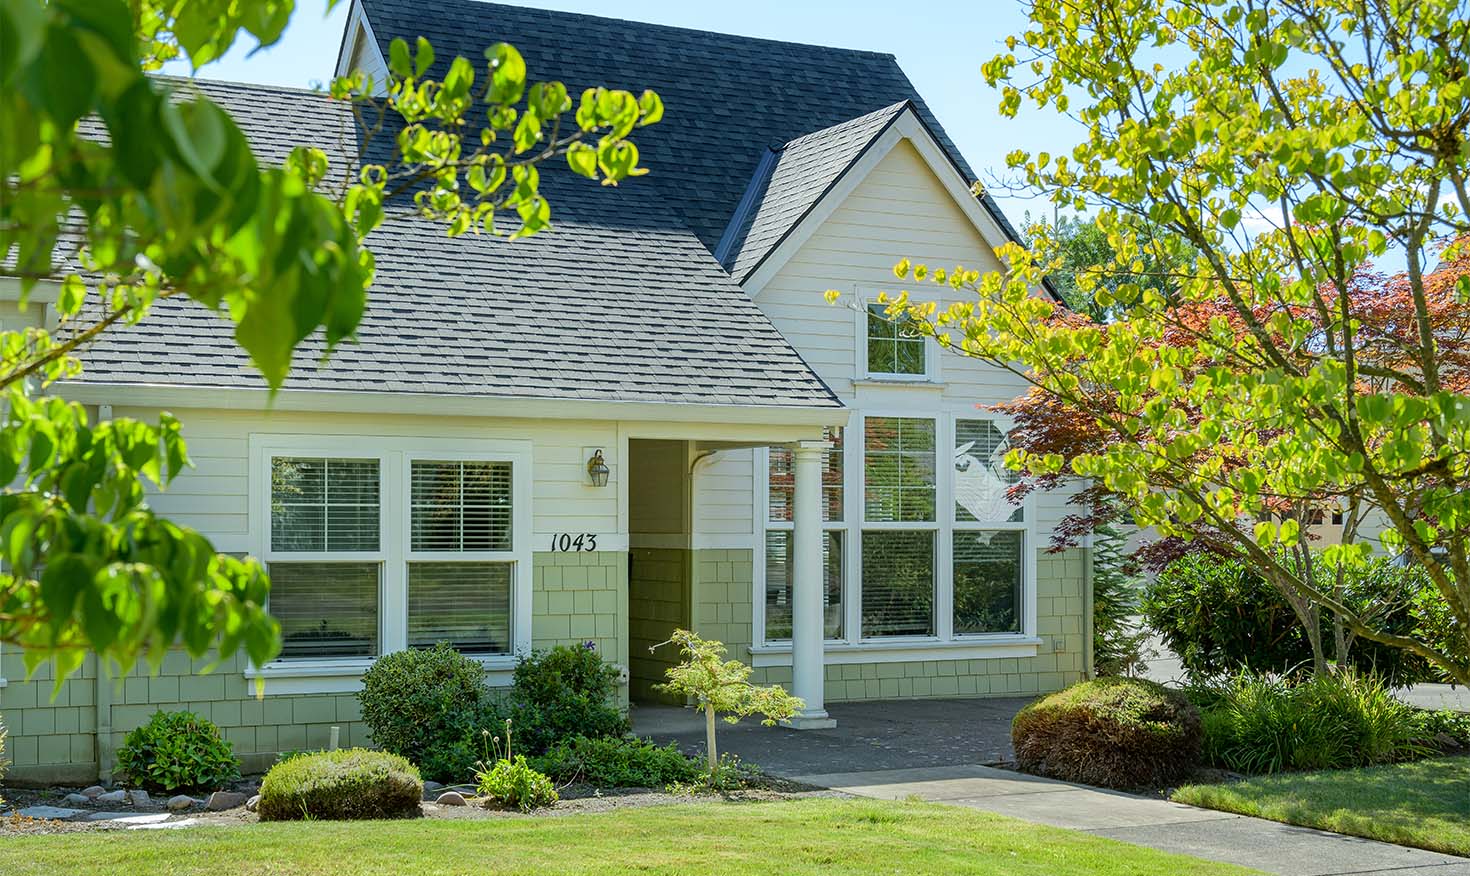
[[659, 557]]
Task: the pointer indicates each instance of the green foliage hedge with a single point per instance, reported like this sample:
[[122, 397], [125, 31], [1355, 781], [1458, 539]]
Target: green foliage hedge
[[1220, 617], [1122, 733], [177, 751], [429, 707], [564, 693], [1261, 724], [352, 783], [618, 762]]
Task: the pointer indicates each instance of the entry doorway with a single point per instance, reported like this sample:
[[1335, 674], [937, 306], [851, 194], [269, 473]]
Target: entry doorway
[[659, 561]]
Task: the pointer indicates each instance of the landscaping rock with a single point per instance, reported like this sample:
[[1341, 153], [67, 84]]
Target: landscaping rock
[[252, 803], [50, 812], [431, 787], [222, 800], [139, 798], [75, 799], [93, 792], [118, 796], [180, 802], [451, 798], [128, 817], [166, 825]]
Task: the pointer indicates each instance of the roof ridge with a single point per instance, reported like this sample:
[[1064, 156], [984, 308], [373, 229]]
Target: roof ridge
[[240, 83], [651, 24], [892, 109]]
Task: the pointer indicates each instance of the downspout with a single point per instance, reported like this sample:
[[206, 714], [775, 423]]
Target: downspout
[[106, 756], [1088, 668]]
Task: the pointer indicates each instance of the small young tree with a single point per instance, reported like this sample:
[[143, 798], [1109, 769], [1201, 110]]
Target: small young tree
[[722, 687]]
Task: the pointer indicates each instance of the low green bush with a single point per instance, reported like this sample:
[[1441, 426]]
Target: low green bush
[[1123, 733], [1220, 616], [1265, 724], [1444, 728], [617, 762], [564, 693], [513, 782], [429, 706], [177, 751], [352, 783], [3, 762]]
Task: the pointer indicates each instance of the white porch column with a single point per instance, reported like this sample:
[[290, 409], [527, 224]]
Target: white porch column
[[807, 670]]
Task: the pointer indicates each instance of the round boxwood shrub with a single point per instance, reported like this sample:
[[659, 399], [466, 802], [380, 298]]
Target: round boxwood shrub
[[1122, 733], [429, 706], [352, 783], [177, 751]]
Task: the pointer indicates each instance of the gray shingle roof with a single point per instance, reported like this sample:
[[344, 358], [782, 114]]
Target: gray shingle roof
[[785, 189], [728, 98], [619, 302]]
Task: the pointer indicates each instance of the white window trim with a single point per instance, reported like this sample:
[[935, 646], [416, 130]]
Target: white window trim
[[866, 298], [329, 675], [945, 644]]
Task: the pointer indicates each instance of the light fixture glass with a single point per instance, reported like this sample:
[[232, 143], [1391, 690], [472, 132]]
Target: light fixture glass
[[597, 470]]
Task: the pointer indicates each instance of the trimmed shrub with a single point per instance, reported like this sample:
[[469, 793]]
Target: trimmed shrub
[[1123, 733], [177, 751], [612, 762], [512, 782], [1261, 724], [1220, 617], [352, 783], [428, 706], [3, 762], [564, 693]]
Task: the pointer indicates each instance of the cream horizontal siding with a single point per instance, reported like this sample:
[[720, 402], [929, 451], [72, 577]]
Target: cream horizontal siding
[[900, 210], [723, 495]]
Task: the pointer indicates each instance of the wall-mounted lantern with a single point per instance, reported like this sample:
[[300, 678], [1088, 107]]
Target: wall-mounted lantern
[[597, 469]]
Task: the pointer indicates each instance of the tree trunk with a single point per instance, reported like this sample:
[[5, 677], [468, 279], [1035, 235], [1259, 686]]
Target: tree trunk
[[709, 737]]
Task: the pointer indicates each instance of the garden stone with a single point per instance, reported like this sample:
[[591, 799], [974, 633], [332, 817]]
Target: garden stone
[[180, 802], [74, 799], [431, 787], [451, 798], [222, 800], [93, 792], [118, 796], [165, 825], [253, 803], [139, 798], [128, 817], [50, 812]]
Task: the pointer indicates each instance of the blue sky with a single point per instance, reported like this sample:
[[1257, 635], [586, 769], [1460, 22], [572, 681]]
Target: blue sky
[[940, 45]]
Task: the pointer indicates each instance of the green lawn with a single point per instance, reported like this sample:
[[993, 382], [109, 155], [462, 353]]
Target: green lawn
[[825, 836], [1424, 804]]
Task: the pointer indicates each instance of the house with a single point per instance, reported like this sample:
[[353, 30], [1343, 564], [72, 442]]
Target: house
[[796, 479]]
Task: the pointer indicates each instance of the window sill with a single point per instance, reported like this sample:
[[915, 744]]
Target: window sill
[[842, 653], [889, 382], [294, 677]]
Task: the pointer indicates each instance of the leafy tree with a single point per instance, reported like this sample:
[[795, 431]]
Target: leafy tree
[[1289, 143], [721, 687], [122, 190], [1085, 256]]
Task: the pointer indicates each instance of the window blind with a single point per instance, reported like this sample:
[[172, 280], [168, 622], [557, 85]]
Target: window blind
[[898, 468], [898, 583], [464, 604], [892, 348], [782, 490], [987, 582], [981, 479], [461, 506], [326, 609], [324, 504], [779, 578]]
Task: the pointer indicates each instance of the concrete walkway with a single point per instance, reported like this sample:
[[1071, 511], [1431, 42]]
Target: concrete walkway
[[1159, 824]]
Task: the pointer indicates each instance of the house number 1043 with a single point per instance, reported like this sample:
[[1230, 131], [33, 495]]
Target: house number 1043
[[581, 541]]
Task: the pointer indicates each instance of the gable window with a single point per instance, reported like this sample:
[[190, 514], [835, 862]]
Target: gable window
[[399, 546], [899, 527], [892, 349], [778, 562], [324, 531]]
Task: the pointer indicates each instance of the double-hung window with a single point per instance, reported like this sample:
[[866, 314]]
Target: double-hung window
[[988, 535], [900, 532], [459, 562], [326, 554], [778, 564], [411, 543]]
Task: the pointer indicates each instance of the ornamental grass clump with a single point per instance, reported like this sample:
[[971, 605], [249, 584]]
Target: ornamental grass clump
[[348, 784], [1123, 733]]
